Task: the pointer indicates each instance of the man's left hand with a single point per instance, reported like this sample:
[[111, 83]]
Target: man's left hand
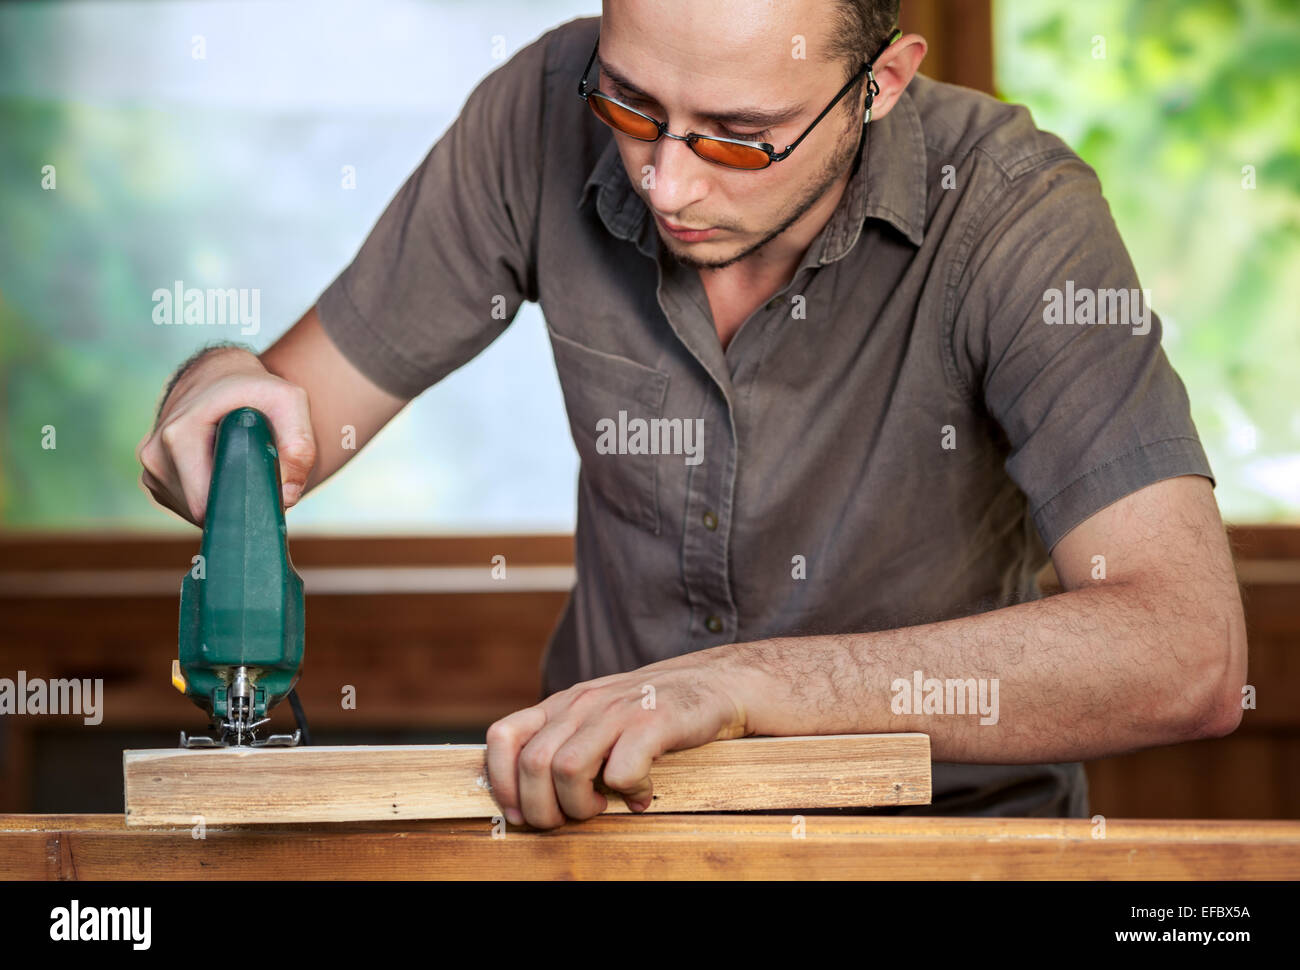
[[544, 761]]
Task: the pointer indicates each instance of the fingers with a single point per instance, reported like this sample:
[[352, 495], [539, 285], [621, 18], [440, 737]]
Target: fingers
[[505, 739], [159, 491], [576, 766], [177, 455], [190, 455], [290, 415], [627, 770], [286, 407], [160, 476], [544, 762], [537, 796]]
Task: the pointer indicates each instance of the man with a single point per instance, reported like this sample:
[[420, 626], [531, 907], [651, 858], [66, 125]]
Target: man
[[834, 406]]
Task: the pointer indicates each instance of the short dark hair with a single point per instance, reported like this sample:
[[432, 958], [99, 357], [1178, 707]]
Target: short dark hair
[[858, 30]]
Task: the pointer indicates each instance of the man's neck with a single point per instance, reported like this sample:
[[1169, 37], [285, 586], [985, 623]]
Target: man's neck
[[772, 266]]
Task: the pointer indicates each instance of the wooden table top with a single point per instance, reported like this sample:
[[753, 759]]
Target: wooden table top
[[656, 847]]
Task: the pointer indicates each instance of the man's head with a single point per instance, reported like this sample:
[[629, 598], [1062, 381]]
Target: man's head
[[755, 71]]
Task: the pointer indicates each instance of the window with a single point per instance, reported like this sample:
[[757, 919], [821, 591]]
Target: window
[[1187, 110], [214, 144]]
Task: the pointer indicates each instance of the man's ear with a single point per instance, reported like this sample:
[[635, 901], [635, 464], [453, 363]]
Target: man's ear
[[894, 70]]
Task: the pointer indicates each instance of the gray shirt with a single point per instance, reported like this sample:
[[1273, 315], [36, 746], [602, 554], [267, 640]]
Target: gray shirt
[[897, 437]]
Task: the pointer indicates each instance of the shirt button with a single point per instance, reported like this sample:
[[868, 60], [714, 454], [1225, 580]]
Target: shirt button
[[710, 521], [714, 624]]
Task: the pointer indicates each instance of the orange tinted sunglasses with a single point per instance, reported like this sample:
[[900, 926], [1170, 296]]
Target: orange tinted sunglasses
[[729, 152]]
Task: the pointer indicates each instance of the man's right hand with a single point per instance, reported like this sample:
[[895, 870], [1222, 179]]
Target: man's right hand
[[177, 454]]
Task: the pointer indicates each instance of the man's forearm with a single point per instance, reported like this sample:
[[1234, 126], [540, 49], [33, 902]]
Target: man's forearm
[[1088, 673]]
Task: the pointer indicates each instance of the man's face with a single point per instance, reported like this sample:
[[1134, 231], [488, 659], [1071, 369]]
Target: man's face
[[702, 67]]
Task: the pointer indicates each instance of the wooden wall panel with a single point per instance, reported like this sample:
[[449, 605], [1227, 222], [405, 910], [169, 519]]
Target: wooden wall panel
[[960, 38], [1245, 775], [442, 663]]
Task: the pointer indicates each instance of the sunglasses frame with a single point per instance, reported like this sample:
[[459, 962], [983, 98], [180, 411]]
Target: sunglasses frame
[[691, 138]]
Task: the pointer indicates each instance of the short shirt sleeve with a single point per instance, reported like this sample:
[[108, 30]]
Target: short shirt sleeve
[[1057, 337], [452, 258]]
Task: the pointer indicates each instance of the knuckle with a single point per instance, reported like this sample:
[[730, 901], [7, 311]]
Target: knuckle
[[170, 435], [297, 460], [567, 764], [298, 443], [584, 813], [299, 398], [621, 779], [149, 469], [499, 733], [534, 761], [304, 448]]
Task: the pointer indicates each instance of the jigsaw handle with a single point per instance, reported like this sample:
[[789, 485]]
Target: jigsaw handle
[[242, 602]]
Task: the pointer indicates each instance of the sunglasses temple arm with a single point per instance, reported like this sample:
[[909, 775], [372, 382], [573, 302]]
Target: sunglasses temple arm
[[826, 110], [582, 81], [872, 90], [872, 87]]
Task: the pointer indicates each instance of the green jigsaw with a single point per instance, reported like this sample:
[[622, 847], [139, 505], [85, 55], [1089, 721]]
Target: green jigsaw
[[241, 621]]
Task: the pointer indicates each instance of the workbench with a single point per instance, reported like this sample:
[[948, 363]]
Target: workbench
[[735, 846]]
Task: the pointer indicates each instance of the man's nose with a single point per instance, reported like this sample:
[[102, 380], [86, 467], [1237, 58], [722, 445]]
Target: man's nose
[[680, 177]]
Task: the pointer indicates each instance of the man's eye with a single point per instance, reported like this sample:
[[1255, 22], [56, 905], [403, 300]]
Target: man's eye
[[632, 101], [748, 135]]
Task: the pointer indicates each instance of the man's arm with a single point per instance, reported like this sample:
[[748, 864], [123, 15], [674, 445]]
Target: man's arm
[[307, 389], [341, 396], [1154, 653]]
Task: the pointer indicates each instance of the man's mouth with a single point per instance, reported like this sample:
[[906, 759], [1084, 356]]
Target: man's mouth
[[684, 233]]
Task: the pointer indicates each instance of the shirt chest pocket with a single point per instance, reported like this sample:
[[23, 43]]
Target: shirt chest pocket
[[597, 387]]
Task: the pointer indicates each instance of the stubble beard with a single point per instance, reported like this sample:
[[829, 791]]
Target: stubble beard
[[830, 172]]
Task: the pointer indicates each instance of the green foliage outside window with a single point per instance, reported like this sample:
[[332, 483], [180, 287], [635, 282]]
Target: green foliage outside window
[[1189, 111]]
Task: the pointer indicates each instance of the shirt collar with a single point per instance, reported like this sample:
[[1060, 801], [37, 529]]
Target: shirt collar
[[889, 184]]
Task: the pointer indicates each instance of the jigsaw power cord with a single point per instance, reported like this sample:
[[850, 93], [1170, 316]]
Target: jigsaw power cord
[[299, 716]]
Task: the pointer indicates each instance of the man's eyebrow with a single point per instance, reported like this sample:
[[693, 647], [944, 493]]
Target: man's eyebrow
[[749, 117]]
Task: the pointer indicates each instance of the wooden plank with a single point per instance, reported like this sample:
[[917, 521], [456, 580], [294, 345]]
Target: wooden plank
[[657, 847], [319, 784]]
